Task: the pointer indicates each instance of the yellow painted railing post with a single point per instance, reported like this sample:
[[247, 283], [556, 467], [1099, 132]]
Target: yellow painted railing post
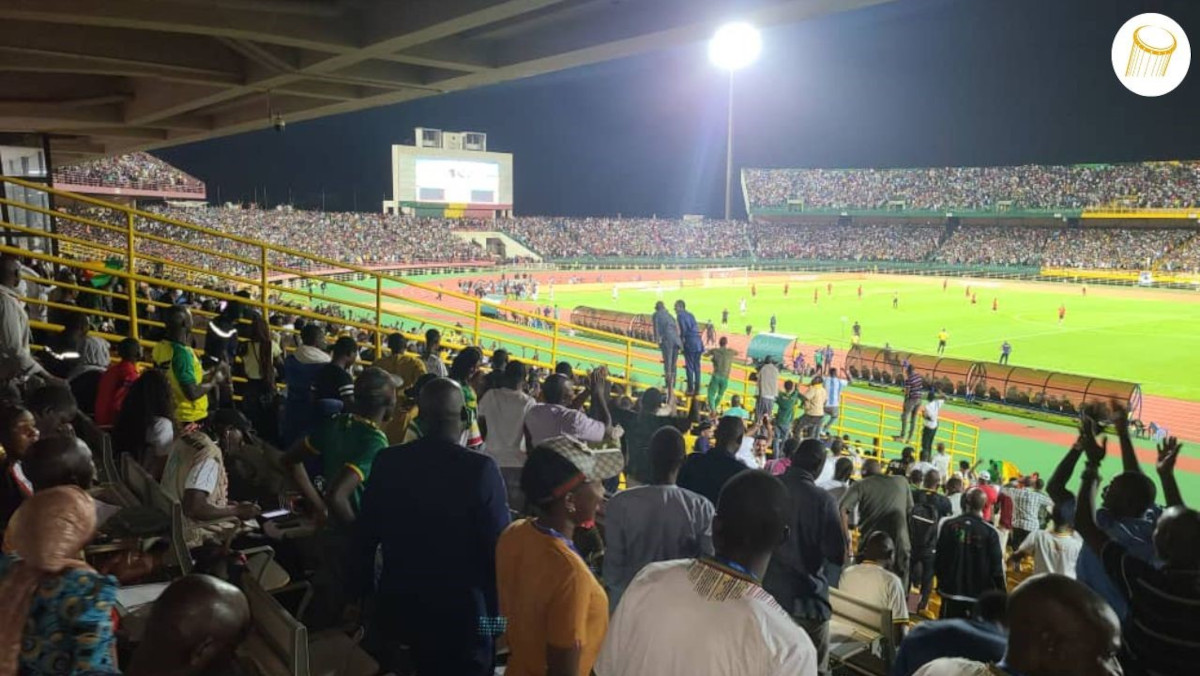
[[953, 437], [879, 434], [478, 313], [554, 343], [263, 297], [130, 282], [629, 365], [378, 317]]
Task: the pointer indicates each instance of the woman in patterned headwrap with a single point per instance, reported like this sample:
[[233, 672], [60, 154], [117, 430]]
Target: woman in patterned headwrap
[[57, 614]]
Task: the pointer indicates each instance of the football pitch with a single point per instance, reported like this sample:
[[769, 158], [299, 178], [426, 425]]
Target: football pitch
[[1147, 336]]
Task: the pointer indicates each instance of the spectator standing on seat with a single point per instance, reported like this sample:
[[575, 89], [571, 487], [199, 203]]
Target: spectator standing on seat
[[190, 384], [872, 580], [640, 425], [786, 403], [834, 385], [502, 419], [116, 382], [1030, 508], [815, 399], [693, 346], [1057, 627], [299, 372], [710, 615], [666, 334], [432, 354], [58, 615], [968, 560], [768, 388], [1162, 633], [14, 322], [929, 417], [722, 362], [1055, 550], [929, 508], [796, 576], [884, 504], [146, 425], [407, 368], [194, 628], [656, 522], [557, 612], [706, 473], [442, 603], [463, 370], [982, 637], [221, 335], [913, 385], [333, 386]]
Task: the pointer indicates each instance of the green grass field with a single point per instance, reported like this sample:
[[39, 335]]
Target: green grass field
[[1145, 336]]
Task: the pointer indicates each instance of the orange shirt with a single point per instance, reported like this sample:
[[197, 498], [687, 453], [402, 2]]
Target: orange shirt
[[549, 597]]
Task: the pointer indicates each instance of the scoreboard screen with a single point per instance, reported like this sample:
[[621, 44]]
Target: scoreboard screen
[[457, 181]]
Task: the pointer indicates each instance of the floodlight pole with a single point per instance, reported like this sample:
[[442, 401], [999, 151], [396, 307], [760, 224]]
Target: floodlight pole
[[729, 152]]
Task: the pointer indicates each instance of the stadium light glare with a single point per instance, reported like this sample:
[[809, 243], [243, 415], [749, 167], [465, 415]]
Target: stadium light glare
[[734, 46]]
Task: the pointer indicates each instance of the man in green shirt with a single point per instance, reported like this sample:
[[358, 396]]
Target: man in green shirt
[[722, 360], [346, 445], [786, 402]]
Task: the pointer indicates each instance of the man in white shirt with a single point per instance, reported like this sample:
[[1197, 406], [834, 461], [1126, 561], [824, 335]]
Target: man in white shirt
[[872, 581], [432, 356], [710, 615], [14, 322], [941, 461], [768, 388], [502, 420], [1054, 551], [930, 412]]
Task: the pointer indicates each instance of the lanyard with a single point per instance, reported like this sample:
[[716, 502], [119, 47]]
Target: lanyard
[[555, 534]]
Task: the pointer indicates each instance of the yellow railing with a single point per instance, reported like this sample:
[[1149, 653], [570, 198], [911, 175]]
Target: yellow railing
[[872, 425], [141, 249]]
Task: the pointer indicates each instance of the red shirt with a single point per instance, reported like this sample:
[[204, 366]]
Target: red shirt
[[111, 391], [992, 494]]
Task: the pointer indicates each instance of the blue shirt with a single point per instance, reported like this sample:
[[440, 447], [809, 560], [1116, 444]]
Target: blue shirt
[[1136, 536], [967, 639], [833, 388], [690, 331]]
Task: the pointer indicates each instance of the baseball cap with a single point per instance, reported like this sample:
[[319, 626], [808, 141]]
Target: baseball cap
[[985, 475], [560, 464]]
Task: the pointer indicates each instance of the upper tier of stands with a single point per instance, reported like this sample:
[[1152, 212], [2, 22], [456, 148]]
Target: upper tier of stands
[[138, 172], [1152, 185]]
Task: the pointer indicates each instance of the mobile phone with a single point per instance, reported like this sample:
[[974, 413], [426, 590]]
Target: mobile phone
[[274, 514]]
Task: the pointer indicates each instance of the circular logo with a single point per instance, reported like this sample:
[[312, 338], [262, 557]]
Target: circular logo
[[1151, 54]]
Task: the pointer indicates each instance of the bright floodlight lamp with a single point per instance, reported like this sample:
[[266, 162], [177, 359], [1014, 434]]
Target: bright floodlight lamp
[[734, 46]]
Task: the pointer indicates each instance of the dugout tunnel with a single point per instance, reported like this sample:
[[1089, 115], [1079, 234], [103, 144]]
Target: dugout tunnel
[[774, 345], [1053, 391]]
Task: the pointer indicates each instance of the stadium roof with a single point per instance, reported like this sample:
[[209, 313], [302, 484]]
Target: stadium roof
[[121, 75]]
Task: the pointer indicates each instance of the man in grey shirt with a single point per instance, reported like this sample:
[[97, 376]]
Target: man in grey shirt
[[666, 334], [657, 522], [884, 503]]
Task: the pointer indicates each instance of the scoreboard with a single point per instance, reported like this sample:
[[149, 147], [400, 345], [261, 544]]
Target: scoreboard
[[450, 182]]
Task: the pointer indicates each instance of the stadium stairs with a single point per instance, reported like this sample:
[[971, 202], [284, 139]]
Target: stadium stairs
[[123, 252]]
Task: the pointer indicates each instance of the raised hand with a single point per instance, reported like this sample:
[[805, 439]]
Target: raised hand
[[1168, 453], [1089, 429], [1120, 416]]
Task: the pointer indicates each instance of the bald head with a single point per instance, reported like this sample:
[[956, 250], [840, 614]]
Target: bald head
[[59, 461], [974, 501], [194, 626], [441, 407], [1058, 627], [1177, 538], [878, 547]]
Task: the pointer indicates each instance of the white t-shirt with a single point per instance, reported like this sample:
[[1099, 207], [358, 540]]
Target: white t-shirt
[[159, 437], [768, 381], [872, 584], [203, 477], [1053, 553], [687, 617], [954, 666], [503, 411], [941, 461], [932, 409]]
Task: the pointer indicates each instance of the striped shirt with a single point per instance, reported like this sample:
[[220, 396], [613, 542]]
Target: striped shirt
[[1162, 634], [913, 385]]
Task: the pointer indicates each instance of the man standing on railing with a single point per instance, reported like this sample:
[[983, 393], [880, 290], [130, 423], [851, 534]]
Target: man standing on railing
[[913, 384], [693, 347], [666, 334], [14, 323]]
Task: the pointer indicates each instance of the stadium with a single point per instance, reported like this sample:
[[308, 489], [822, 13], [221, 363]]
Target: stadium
[[1011, 313]]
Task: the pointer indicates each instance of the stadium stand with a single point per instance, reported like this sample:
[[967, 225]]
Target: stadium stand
[[141, 172]]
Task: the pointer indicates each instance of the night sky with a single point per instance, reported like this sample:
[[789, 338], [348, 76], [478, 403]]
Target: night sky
[[912, 83]]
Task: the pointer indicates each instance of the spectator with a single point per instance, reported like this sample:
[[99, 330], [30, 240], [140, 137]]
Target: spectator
[[463, 371], [84, 377], [116, 382], [58, 615], [768, 388], [809, 425], [58, 461], [194, 628], [693, 346], [968, 560], [722, 361], [929, 417], [407, 368], [640, 425], [14, 323], [502, 418], [190, 385], [557, 612], [834, 385], [982, 637], [666, 334], [1054, 551], [709, 615], [707, 473], [735, 409], [554, 417], [1030, 509], [786, 402], [913, 384], [704, 436], [221, 334], [146, 425], [332, 385], [299, 373], [262, 355], [18, 433], [441, 604], [941, 461], [656, 522], [929, 508], [1057, 627], [883, 503], [194, 474], [873, 581], [816, 540], [432, 355]]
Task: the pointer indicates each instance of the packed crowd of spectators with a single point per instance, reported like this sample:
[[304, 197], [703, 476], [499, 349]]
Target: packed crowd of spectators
[[1088, 248], [629, 237], [492, 491], [139, 171], [1145, 184], [845, 242]]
